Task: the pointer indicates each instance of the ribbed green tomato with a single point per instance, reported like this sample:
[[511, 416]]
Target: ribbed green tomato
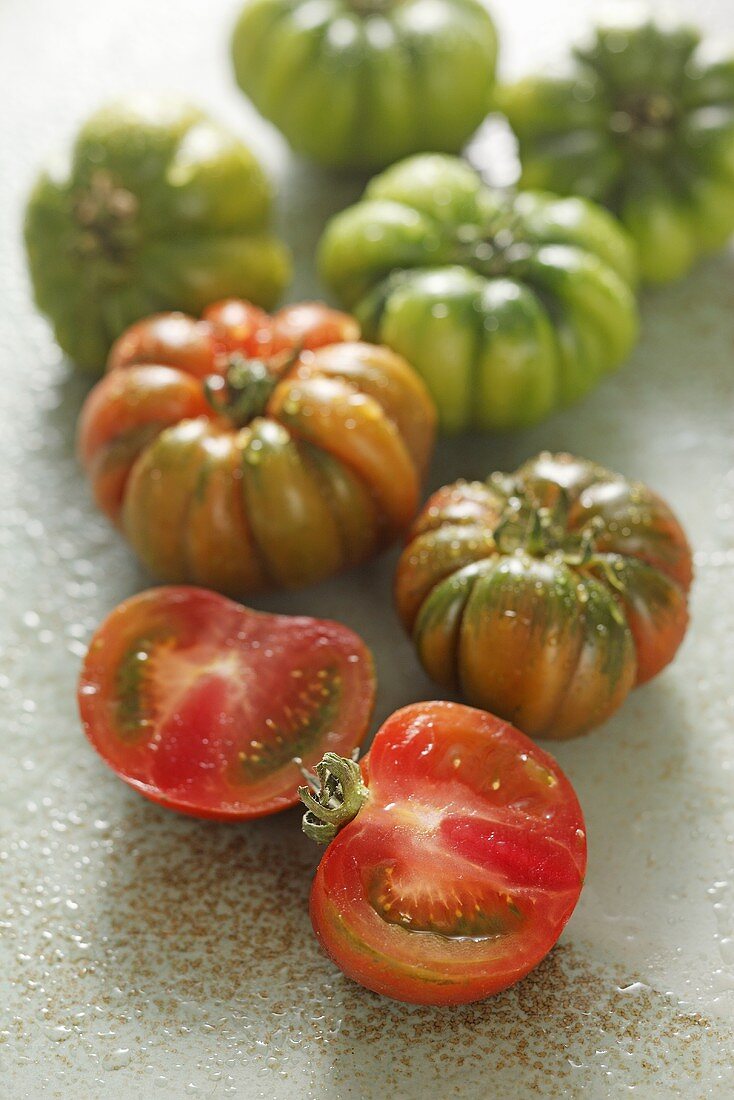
[[642, 121], [156, 208], [361, 83], [508, 307]]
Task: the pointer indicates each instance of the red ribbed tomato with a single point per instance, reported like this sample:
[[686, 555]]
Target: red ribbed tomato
[[229, 327], [455, 856], [547, 594], [202, 704], [243, 451]]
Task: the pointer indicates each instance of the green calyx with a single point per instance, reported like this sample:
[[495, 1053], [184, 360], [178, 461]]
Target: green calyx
[[645, 111], [543, 531], [646, 122], [242, 393], [490, 249], [106, 214], [340, 796]]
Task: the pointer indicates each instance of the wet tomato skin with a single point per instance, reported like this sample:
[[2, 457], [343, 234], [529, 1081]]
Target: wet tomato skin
[[175, 339], [199, 347], [246, 451], [201, 704], [463, 866], [124, 413], [548, 594]]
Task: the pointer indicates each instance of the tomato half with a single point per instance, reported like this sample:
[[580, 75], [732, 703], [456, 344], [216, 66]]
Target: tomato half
[[202, 704], [462, 862]]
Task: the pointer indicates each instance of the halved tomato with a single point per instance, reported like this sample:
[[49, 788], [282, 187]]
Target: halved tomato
[[202, 704], [455, 856]]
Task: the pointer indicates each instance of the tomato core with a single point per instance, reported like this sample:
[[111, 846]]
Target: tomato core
[[241, 393], [106, 212]]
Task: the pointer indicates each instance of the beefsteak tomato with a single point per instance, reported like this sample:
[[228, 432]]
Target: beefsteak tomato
[[642, 120], [546, 595], [455, 856], [244, 452], [202, 705], [156, 208], [507, 307], [361, 83]]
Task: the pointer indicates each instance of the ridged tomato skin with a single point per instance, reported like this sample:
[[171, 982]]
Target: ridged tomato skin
[[641, 120], [172, 338], [245, 451], [358, 84], [463, 866], [508, 307], [201, 704], [156, 207], [546, 595]]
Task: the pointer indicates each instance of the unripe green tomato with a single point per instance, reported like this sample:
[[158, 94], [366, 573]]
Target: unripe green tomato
[[507, 307], [362, 83], [643, 122], [155, 208]]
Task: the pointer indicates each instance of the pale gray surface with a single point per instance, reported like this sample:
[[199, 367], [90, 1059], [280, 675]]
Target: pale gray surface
[[146, 955]]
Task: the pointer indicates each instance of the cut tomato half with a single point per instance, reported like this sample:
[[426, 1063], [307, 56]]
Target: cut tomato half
[[454, 859], [203, 705]]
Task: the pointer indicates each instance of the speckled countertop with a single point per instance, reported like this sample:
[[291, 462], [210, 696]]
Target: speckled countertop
[[145, 955]]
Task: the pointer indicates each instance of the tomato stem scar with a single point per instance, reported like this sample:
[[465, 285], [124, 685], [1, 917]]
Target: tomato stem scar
[[340, 796], [242, 393]]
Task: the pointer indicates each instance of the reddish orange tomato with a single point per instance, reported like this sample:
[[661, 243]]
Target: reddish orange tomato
[[546, 595], [227, 327], [201, 704], [455, 856], [243, 451], [172, 338]]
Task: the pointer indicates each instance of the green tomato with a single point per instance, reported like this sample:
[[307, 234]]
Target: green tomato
[[155, 208], [361, 83], [643, 122], [507, 307]]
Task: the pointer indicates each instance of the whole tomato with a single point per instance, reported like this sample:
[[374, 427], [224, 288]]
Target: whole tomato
[[157, 208], [455, 856], [507, 307], [243, 452], [546, 595], [361, 83], [203, 705], [642, 120]]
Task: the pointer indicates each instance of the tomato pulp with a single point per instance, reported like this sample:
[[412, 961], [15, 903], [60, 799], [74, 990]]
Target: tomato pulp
[[458, 860], [202, 705]]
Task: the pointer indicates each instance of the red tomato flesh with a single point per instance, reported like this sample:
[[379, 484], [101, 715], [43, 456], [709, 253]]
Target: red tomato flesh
[[461, 869], [201, 704]]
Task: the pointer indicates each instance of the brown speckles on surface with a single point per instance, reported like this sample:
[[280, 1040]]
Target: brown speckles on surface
[[144, 955], [186, 947]]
